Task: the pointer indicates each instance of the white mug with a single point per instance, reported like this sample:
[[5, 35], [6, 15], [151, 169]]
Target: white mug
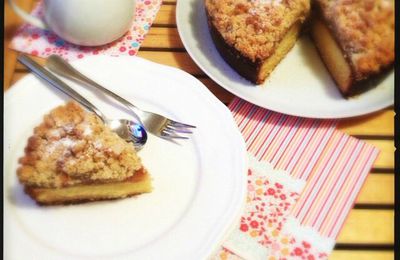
[[84, 22]]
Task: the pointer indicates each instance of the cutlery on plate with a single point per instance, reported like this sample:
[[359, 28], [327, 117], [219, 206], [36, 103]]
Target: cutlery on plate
[[154, 123], [128, 130]]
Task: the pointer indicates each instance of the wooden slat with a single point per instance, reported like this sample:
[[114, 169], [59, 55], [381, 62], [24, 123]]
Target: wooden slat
[[11, 23], [378, 189], [175, 59], [368, 227], [379, 123], [222, 94], [16, 76], [386, 157], [166, 16], [361, 255], [160, 37], [179, 60], [21, 68]]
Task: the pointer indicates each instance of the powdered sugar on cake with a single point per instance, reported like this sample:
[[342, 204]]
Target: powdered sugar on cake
[[88, 130], [61, 144], [72, 147], [267, 2]]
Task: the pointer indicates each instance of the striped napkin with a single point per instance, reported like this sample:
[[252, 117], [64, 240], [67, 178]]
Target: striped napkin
[[303, 179], [43, 43]]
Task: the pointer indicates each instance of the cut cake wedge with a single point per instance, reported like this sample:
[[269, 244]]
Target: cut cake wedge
[[355, 40], [72, 157], [254, 36]]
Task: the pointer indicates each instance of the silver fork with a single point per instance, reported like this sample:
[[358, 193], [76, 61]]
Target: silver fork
[[154, 123], [128, 130]]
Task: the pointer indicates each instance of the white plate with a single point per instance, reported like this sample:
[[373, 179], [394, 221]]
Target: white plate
[[199, 185], [299, 85]]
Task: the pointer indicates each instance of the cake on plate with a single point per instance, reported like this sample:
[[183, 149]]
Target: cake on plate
[[253, 36], [72, 157], [355, 40]]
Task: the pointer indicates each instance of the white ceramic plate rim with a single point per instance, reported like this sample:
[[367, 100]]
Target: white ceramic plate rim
[[223, 223], [228, 79]]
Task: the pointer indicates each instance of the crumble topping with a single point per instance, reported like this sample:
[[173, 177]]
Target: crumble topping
[[72, 147], [365, 31], [254, 26], [267, 2]]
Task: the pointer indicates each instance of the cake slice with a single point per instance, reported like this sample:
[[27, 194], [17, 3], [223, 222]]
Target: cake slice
[[253, 36], [73, 157], [355, 40]]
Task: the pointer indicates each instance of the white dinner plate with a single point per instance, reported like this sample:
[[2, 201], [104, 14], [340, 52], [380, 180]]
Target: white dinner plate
[[300, 85], [199, 184]]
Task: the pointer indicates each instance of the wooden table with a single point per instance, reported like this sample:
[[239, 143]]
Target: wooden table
[[369, 230]]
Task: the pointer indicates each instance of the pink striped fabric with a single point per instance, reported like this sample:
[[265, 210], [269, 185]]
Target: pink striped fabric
[[289, 143], [333, 164], [334, 184]]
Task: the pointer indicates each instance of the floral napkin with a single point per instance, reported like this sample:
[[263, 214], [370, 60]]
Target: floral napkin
[[303, 180], [43, 43]]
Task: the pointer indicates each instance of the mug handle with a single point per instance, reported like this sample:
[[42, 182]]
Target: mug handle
[[27, 17]]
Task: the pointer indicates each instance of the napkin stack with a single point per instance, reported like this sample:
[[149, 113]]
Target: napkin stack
[[303, 180], [43, 43]]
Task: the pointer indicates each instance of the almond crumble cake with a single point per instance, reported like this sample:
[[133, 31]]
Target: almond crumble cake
[[355, 39], [73, 157], [254, 35]]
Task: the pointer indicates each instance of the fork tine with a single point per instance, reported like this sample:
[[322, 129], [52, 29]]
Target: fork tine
[[172, 128], [170, 134], [181, 131], [178, 124], [173, 136]]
